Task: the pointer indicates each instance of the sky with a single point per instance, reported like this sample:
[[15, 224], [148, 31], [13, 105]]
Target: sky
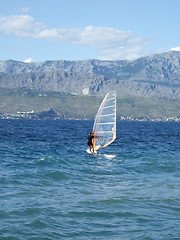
[[40, 30]]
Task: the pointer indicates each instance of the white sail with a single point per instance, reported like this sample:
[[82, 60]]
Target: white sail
[[104, 127]]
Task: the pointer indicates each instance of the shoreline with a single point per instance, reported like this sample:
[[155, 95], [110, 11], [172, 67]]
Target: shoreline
[[34, 116]]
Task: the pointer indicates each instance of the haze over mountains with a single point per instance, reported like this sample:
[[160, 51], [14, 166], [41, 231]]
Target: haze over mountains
[[153, 76]]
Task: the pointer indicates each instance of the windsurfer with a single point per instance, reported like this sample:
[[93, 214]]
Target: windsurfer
[[90, 143]]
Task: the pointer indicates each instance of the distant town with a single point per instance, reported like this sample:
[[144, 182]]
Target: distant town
[[53, 115]]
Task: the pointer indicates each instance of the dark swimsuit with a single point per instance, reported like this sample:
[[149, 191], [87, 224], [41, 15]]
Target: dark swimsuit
[[89, 140]]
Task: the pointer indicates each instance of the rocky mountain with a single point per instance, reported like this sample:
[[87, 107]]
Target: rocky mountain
[[154, 76]]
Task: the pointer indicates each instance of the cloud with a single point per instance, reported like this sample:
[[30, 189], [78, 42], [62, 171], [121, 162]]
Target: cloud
[[29, 60], [22, 26], [126, 52], [24, 9], [110, 42], [175, 49]]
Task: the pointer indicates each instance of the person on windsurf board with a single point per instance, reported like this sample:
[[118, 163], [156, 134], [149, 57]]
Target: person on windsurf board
[[90, 143]]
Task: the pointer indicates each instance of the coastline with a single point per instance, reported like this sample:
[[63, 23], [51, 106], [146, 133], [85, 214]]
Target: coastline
[[52, 115]]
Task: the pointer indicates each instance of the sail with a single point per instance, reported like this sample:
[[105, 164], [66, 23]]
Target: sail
[[104, 127]]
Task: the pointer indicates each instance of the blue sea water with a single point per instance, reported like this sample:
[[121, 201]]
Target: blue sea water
[[50, 188]]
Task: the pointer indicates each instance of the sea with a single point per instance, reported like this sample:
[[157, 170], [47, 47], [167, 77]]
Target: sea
[[51, 188]]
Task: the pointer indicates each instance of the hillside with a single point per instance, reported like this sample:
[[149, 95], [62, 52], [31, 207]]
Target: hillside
[[50, 105], [156, 76]]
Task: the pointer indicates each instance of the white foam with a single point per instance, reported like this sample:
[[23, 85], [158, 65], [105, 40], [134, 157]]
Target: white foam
[[88, 151], [109, 156]]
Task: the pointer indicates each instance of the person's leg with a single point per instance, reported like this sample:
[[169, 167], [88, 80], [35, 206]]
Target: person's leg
[[92, 148], [89, 148]]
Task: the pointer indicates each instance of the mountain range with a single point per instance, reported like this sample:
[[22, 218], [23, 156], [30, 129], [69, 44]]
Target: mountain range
[[153, 76]]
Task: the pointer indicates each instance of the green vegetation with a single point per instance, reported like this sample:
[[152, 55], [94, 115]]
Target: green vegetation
[[84, 107], [149, 108]]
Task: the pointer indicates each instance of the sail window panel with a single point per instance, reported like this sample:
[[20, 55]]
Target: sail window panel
[[109, 103], [108, 110], [108, 106], [104, 128], [107, 118]]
